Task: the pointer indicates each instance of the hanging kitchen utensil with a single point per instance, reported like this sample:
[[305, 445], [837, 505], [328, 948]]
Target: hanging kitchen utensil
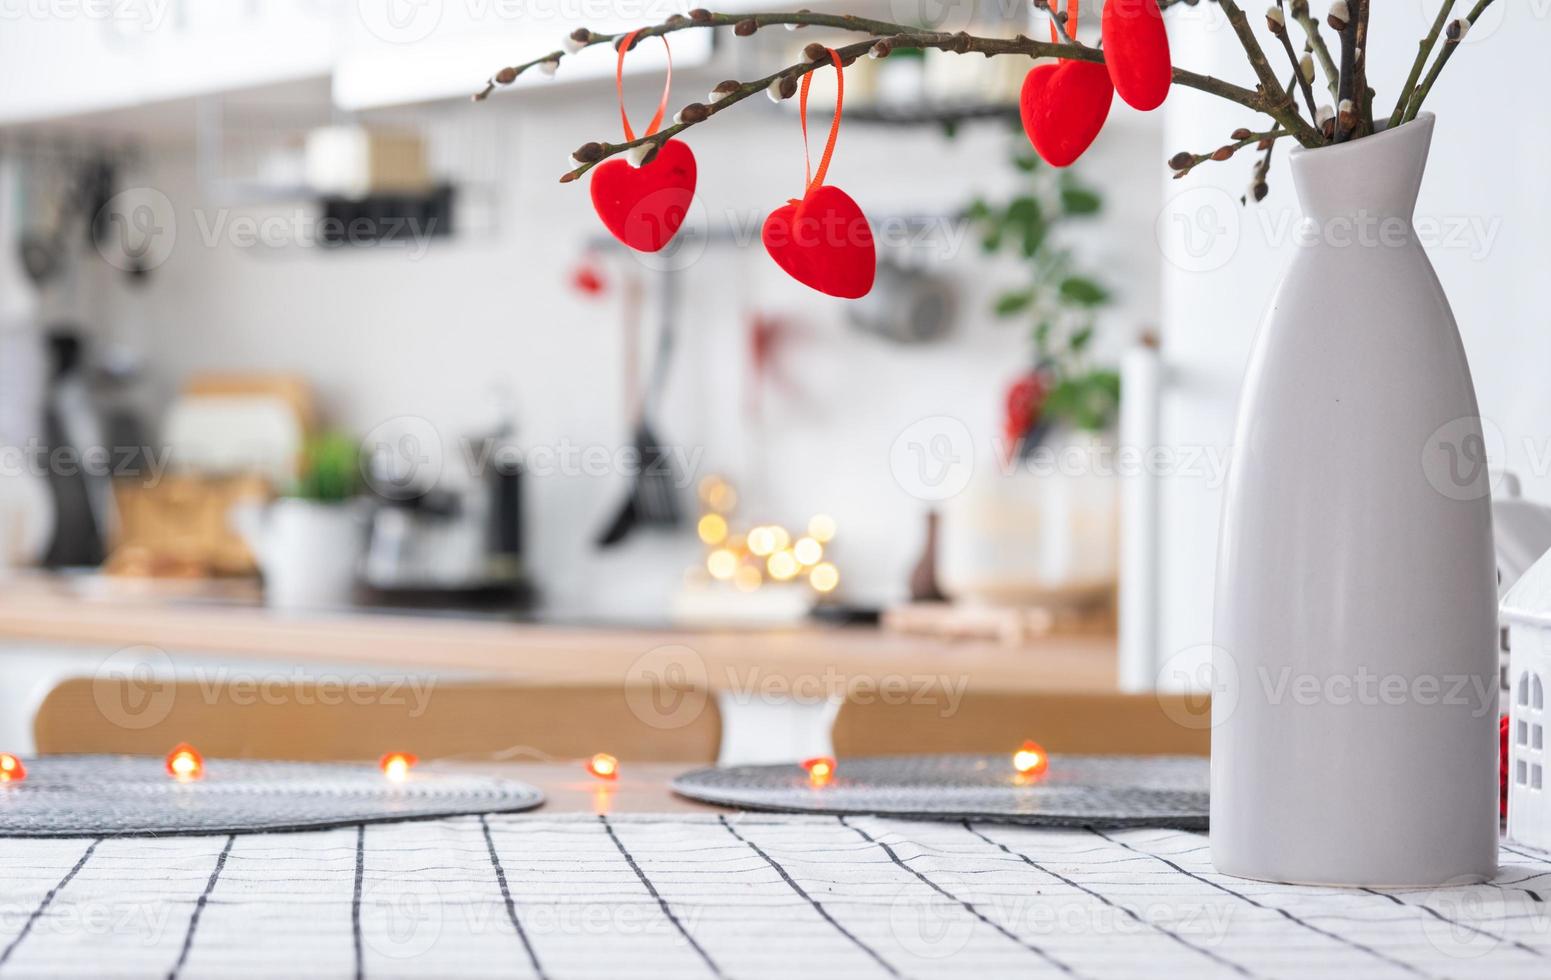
[[653, 499]]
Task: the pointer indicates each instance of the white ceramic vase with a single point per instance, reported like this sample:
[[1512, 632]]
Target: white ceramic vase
[[1355, 695]]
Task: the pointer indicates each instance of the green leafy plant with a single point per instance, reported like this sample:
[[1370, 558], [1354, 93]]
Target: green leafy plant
[[330, 469], [1060, 300]]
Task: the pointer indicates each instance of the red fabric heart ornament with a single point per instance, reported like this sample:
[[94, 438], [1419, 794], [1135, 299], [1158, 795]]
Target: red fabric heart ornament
[[1064, 107], [644, 206], [1136, 51], [824, 242]]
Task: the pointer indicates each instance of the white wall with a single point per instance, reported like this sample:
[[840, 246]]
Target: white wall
[[1485, 201], [383, 334]]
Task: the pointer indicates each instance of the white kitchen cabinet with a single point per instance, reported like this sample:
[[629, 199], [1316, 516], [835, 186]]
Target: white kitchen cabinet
[[60, 58], [395, 52]]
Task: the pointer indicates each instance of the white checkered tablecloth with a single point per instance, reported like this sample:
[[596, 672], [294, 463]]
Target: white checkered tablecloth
[[746, 896]]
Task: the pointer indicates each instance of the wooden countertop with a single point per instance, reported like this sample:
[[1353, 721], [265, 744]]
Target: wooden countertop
[[41, 608]]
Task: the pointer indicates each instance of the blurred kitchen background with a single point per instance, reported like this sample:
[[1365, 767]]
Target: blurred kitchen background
[[353, 352]]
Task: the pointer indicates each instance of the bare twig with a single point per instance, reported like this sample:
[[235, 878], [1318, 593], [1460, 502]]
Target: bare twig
[[1342, 21], [1282, 108], [1057, 20], [1276, 102], [1424, 48], [1279, 28], [1360, 84], [1316, 44], [1183, 163], [1450, 43]]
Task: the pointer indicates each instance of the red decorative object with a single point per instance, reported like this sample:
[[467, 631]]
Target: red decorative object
[[604, 766], [1025, 400], [1502, 766], [185, 764], [396, 765], [823, 241], [1064, 107], [587, 278], [1031, 759], [821, 769], [11, 768], [1136, 51], [645, 206]]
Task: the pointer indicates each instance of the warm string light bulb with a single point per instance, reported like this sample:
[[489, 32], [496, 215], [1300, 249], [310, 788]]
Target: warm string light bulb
[[185, 764], [604, 766], [764, 554], [712, 528], [821, 527], [396, 765], [821, 769], [808, 551], [824, 577], [11, 768], [1030, 759]]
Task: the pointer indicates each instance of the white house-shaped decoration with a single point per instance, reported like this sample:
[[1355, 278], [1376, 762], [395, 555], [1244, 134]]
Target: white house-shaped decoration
[[1526, 616]]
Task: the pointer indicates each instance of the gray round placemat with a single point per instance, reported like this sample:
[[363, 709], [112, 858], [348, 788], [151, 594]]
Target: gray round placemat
[[121, 796], [1077, 791]]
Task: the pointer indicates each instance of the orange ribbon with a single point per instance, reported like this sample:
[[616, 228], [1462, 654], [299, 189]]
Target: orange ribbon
[[619, 86], [815, 179]]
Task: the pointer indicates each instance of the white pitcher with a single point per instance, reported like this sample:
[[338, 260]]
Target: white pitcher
[[307, 551]]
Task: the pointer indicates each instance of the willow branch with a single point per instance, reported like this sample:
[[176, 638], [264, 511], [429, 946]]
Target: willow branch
[[1057, 20], [1346, 115], [1183, 163], [1275, 103], [1316, 43], [1424, 49], [1449, 44], [1280, 103], [1281, 32], [1364, 95]]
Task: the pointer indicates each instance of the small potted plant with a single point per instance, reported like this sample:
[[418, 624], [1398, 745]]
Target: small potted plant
[[308, 542], [1037, 524]]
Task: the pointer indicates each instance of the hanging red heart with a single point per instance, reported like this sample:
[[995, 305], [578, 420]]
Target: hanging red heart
[[1064, 107], [644, 206], [1136, 51], [823, 241]]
